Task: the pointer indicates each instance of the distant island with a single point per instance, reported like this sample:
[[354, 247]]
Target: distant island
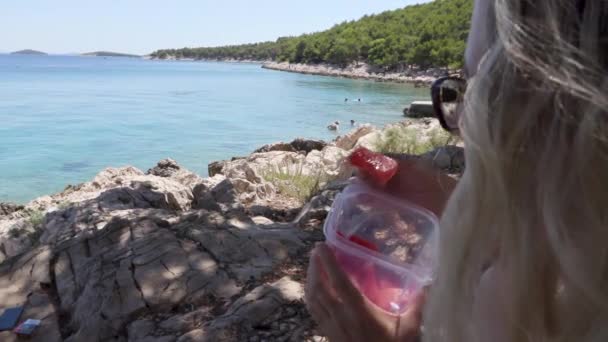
[[29, 52], [109, 54]]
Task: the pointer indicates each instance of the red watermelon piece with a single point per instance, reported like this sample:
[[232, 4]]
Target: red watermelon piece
[[377, 166], [361, 242]]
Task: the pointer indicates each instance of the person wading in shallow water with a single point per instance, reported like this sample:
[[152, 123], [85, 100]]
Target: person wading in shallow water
[[523, 252]]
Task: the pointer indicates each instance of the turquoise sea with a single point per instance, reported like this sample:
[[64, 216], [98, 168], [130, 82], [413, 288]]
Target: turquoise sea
[[65, 118]]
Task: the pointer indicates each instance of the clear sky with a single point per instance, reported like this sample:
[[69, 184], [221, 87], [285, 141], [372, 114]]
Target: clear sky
[[142, 26]]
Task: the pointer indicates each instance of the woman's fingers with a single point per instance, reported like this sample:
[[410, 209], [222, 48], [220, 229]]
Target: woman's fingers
[[337, 278], [414, 314], [319, 299], [342, 313], [410, 323]]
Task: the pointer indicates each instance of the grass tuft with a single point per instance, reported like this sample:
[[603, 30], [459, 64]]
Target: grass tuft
[[64, 205], [291, 181], [408, 140], [35, 217], [31, 227]]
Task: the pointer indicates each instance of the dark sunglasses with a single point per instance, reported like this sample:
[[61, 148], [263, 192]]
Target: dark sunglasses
[[447, 94]]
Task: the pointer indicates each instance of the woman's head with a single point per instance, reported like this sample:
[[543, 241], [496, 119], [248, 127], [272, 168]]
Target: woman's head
[[531, 201]]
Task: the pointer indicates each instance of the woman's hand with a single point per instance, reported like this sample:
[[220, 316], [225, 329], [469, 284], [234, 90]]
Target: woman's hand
[[421, 184], [343, 314]]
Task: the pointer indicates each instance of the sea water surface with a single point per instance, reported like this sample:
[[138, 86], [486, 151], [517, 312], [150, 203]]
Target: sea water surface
[[65, 118]]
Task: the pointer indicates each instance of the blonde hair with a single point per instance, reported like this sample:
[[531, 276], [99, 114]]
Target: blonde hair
[[532, 205]]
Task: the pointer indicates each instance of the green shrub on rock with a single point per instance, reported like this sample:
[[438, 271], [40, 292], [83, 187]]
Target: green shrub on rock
[[410, 140], [292, 181]]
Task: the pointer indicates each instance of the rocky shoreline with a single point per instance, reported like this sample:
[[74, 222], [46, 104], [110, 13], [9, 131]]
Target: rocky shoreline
[[417, 77], [225, 60], [166, 255]]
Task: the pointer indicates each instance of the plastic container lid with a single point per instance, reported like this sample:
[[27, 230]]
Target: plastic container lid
[[386, 245]]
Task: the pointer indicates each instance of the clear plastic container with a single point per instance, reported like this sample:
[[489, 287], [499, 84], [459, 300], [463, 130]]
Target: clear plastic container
[[386, 245]]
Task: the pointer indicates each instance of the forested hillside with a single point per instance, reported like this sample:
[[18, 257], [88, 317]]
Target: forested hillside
[[431, 34]]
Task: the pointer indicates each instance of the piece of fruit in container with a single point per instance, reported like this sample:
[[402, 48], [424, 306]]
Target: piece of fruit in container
[[372, 235], [377, 166], [360, 241], [381, 288]]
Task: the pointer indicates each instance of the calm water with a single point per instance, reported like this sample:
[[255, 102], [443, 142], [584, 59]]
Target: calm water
[[63, 119]]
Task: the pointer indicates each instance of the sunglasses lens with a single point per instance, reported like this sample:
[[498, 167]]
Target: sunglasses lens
[[449, 95]]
